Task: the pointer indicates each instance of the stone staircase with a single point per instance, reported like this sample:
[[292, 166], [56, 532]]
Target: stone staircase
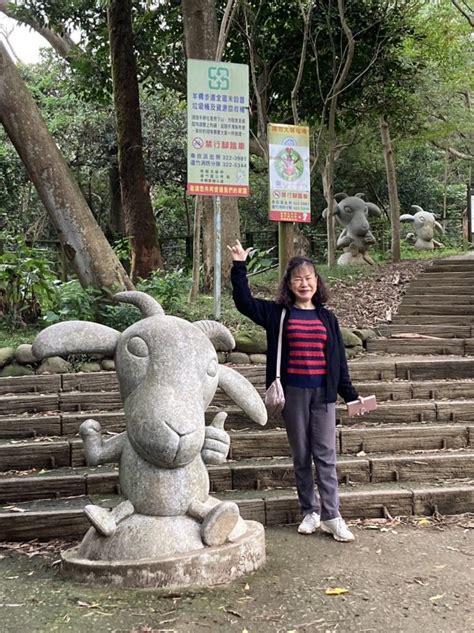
[[438, 307], [414, 455]]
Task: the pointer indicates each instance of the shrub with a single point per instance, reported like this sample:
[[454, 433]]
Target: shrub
[[27, 282]]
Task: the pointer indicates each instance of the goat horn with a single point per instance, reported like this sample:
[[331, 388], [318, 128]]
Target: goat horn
[[416, 207], [218, 334], [147, 305]]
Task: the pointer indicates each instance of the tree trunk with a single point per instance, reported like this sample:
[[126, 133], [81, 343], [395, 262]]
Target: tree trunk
[[115, 223], [91, 256], [328, 190], [393, 200], [201, 36], [139, 219]]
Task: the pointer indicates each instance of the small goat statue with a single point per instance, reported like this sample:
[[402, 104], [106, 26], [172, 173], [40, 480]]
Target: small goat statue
[[424, 225], [168, 374], [352, 212]]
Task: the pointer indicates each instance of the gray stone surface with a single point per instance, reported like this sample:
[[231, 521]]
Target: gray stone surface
[[14, 371], [350, 339], [168, 374], [198, 567], [254, 342], [239, 358], [54, 365], [24, 355], [424, 226], [352, 212], [7, 354], [89, 367]]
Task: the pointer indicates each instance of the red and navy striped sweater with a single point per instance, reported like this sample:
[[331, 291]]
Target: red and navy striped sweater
[[307, 338]]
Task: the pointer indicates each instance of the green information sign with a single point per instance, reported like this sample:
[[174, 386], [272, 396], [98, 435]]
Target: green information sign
[[218, 128]]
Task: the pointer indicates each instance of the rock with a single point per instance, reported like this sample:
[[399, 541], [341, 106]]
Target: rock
[[24, 355], [222, 357], [365, 334], [254, 342], [351, 352], [89, 367], [238, 358], [108, 364], [7, 354], [14, 371], [258, 359], [54, 365], [350, 339]]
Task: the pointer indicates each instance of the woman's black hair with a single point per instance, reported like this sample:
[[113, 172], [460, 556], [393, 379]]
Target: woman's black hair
[[285, 295]]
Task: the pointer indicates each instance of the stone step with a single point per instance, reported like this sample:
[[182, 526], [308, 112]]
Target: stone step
[[432, 319], [363, 368], [420, 287], [461, 276], [437, 330], [451, 266], [430, 299], [56, 452], [420, 346], [429, 308], [64, 518], [106, 406]]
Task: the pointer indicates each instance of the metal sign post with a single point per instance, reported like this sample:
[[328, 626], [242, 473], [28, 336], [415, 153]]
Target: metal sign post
[[217, 256]]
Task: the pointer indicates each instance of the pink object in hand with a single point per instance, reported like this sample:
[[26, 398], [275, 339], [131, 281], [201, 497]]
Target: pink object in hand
[[361, 406]]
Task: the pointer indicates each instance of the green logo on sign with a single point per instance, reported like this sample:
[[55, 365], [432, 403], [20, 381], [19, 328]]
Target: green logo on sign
[[218, 78]]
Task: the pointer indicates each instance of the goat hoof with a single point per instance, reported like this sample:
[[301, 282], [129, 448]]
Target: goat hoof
[[101, 519], [219, 523]]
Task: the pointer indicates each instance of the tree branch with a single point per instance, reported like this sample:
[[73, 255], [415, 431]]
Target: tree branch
[[453, 151], [62, 44]]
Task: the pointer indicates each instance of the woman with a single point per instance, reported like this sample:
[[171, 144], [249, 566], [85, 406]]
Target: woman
[[313, 371]]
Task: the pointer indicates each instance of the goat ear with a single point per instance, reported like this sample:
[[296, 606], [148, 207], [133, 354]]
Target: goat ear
[[360, 195], [406, 217], [373, 209], [75, 337], [218, 334], [243, 393]]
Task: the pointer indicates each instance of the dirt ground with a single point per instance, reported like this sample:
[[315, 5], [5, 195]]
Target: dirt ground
[[412, 576]]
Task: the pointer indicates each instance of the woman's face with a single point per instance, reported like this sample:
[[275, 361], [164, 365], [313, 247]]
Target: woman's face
[[304, 283]]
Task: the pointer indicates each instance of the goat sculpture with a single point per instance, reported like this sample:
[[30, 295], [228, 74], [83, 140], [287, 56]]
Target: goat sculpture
[[424, 225], [168, 373], [352, 213]]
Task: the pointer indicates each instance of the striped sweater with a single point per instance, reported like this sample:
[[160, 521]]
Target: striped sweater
[[306, 337]]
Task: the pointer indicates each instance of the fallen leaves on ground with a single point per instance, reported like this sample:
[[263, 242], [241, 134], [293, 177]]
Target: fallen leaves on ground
[[372, 300]]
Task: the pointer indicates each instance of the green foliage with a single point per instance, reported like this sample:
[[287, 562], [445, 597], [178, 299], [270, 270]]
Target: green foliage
[[26, 280], [168, 288], [72, 301], [260, 259]]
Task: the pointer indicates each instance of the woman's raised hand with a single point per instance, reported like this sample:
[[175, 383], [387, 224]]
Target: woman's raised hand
[[238, 252]]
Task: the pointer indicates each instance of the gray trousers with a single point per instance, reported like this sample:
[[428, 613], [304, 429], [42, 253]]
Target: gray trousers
[[311, 429]]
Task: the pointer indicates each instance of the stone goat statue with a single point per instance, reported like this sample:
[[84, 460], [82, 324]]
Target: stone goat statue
[[168, 373], [424, 225], [352, 212]]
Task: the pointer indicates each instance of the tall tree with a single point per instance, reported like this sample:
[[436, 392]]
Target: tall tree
[[139, 219], [84, 243]]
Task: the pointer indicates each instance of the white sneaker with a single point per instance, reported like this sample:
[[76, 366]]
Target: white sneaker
[[338, 528], [309, 524]]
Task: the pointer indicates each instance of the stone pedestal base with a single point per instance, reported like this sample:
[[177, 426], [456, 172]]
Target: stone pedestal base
[[198, 568]]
